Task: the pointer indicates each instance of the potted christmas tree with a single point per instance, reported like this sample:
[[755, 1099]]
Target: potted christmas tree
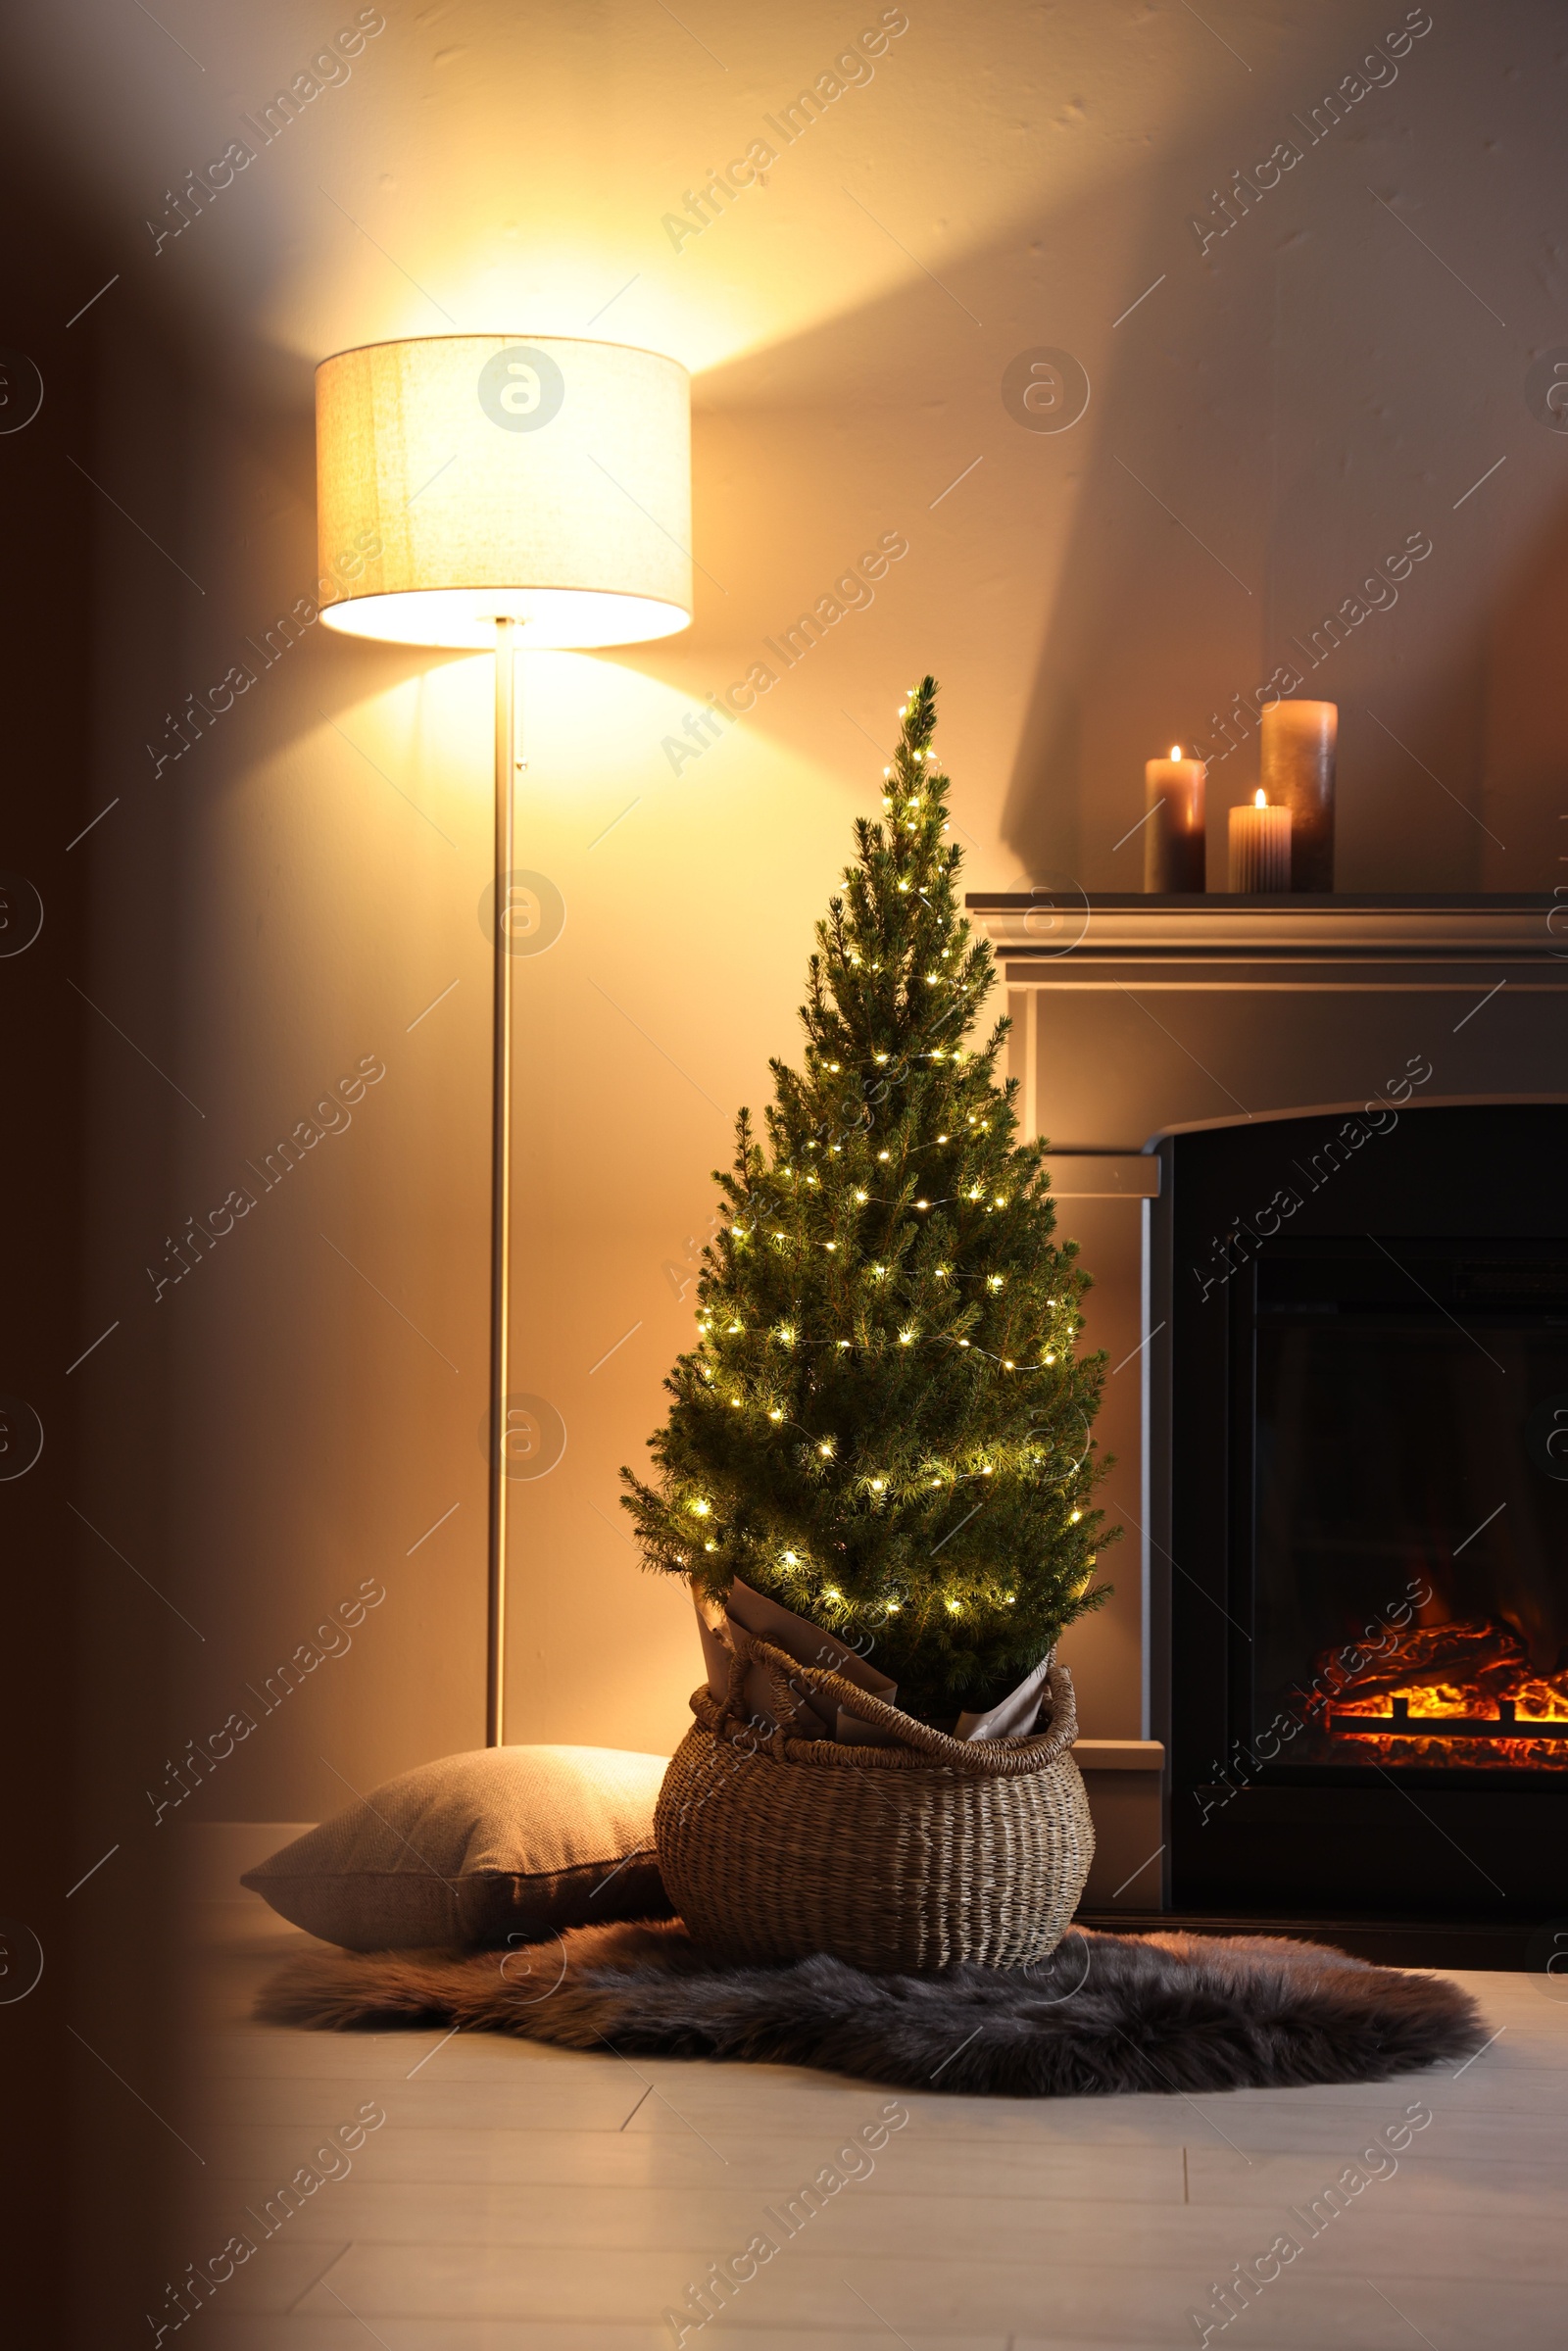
[[884, 1427]]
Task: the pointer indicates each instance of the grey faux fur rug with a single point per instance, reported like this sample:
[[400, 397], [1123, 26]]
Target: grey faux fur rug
[[1104, 2013]]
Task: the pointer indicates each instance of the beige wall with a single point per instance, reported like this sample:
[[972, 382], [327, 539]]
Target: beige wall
[[289, 897]]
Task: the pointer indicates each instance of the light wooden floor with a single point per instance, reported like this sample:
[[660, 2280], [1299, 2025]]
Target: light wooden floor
[[520, 2199]]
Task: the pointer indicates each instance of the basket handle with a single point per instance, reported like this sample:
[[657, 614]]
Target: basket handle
[[982, 1756], [783, 1692]]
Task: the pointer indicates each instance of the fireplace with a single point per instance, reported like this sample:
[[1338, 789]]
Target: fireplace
[[1312, 1148], [1409, 1512], [1369, 1523]]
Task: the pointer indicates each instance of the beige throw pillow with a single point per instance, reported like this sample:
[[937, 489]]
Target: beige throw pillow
[[502, 1843]]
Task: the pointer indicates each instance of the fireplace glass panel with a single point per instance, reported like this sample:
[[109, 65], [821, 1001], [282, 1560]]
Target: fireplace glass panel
[[1410, 1506]]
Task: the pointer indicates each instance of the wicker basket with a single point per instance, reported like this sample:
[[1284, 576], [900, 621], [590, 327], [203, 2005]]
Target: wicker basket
[[902, 1857]]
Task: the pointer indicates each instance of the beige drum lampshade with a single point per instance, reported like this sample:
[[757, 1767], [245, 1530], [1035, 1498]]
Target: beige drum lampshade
[[466, 478]]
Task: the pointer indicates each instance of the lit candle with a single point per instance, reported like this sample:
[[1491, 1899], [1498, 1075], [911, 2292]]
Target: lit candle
[[1260, 848], [1173, 829], [1296, 768]]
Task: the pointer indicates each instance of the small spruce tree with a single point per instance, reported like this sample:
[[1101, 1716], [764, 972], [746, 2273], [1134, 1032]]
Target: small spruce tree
[[883, 1423]]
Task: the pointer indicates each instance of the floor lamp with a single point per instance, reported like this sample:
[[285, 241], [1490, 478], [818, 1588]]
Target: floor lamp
[[479, 492]]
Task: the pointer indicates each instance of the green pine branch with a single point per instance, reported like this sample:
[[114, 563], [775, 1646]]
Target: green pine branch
[[884, 1423]]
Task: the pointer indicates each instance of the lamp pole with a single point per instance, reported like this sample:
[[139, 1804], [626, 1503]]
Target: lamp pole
[[501, 1184]]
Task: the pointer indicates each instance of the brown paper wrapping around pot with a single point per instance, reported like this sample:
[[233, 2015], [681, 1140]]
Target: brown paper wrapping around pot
[[1014, 1717], [808, 1645], [752, 1612]]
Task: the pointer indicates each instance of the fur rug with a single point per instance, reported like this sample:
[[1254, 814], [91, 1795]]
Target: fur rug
[[1105, 2013]]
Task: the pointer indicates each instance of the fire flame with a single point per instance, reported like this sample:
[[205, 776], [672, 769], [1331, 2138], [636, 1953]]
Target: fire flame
[[1474, 1672]]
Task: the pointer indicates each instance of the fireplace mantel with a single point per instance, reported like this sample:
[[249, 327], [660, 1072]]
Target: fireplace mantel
[[1033, 929], [1158, 1048]]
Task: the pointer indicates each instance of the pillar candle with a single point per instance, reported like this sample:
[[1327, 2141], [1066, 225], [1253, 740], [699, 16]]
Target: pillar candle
[[1260, 848], [1173, 830], [1296, 768]]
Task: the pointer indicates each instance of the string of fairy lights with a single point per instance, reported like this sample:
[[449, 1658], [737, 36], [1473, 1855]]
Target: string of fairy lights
[[881, 1487]]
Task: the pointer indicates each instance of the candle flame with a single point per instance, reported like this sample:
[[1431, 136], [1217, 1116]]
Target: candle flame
[[1258, 801], [1175, 751]]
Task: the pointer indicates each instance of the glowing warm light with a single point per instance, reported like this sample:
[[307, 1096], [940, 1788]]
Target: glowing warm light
[[1175, 751], [1258, 801], [466, 478], [1479, 1704]]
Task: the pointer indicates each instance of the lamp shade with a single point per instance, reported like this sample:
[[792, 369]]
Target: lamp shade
[[462, 479]]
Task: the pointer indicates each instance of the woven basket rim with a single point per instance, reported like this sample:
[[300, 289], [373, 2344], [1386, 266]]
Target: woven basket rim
[[919, 1748]]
